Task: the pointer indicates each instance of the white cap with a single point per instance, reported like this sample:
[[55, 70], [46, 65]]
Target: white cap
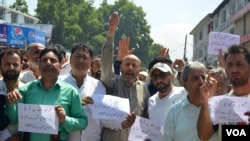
[[144, 73], [162, 67]]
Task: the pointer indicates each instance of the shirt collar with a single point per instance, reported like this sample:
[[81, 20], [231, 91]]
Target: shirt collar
[[186, 102], [84, 78], [57, 83]]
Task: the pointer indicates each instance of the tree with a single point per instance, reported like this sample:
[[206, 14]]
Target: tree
[[78, 21], [73, 20], [20, 5], [154, 50], [132, 24], [65, 16]]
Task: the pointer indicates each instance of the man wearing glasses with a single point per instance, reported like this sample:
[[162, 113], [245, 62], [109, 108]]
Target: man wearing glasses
[[167, 94]]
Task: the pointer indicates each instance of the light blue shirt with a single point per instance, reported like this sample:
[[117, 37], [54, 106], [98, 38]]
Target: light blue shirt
[[181, 122]]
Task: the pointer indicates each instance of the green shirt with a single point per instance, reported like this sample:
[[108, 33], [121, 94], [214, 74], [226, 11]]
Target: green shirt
[[60, 94]]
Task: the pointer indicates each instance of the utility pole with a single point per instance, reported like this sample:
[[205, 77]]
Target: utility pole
[[185, 47]]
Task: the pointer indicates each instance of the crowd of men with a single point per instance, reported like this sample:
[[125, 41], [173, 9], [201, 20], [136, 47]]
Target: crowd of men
[[50, 78]]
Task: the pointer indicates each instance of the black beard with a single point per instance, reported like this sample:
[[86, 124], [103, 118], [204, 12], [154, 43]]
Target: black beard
[[97, 76], [10, 77], [164, 88], [238, 82]]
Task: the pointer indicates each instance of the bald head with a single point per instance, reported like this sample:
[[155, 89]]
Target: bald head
[[33, 54], [131, 57], [130, 68], [31, 45]]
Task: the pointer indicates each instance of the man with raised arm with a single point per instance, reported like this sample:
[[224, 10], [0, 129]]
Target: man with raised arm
[[237, 67], [125, 85]]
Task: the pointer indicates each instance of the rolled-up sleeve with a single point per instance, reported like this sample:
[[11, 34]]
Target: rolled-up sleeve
[[107, 75]]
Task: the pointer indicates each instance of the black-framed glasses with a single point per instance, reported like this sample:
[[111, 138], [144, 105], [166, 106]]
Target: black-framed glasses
[[161, 75], [78, 56]]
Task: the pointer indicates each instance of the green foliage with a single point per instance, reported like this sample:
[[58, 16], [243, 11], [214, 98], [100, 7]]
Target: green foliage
[[20, 5], [154, 50], [79, 21], [132, 24]]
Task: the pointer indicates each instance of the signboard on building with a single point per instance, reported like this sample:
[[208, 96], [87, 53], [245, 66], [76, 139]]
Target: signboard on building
[[47, 28], [20, 36]]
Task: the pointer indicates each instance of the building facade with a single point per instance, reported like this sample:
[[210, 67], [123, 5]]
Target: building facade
[[231, 16], [11, 16]]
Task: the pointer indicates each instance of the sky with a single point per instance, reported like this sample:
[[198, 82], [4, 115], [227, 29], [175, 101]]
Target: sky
[[170, 20]]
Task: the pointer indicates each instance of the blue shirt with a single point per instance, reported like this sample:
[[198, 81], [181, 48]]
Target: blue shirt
[[181, 122]]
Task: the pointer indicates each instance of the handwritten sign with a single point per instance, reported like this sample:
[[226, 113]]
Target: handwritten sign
[[219, 40], [144, 129], [37, 118], [109, 107], [228, 109]]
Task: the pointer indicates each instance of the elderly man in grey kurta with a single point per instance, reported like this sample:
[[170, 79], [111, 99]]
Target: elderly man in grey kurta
[[126, 86]]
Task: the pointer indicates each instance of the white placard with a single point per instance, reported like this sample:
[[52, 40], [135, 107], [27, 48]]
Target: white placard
[[228, 109], [109, 107], [37, 118], [144, 129], [219, 40]]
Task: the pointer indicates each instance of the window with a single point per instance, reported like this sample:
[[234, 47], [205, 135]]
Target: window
[[232, 9], [210, 27], [13, 17], [28, 20], [200, 35], [216, 23], [223, 16], [196, 39], [241, 3], [2, 13]]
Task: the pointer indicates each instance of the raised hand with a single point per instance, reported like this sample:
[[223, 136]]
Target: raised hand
[[114, 20], [123, 48], [178, 65], [208, 88], [164, 52], [221, 59]]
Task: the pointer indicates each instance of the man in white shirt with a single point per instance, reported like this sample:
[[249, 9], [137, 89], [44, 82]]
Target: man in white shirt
[[80, 60], [167, 94], [87, 86], [65, 69], [96, 67], [33, 54]]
